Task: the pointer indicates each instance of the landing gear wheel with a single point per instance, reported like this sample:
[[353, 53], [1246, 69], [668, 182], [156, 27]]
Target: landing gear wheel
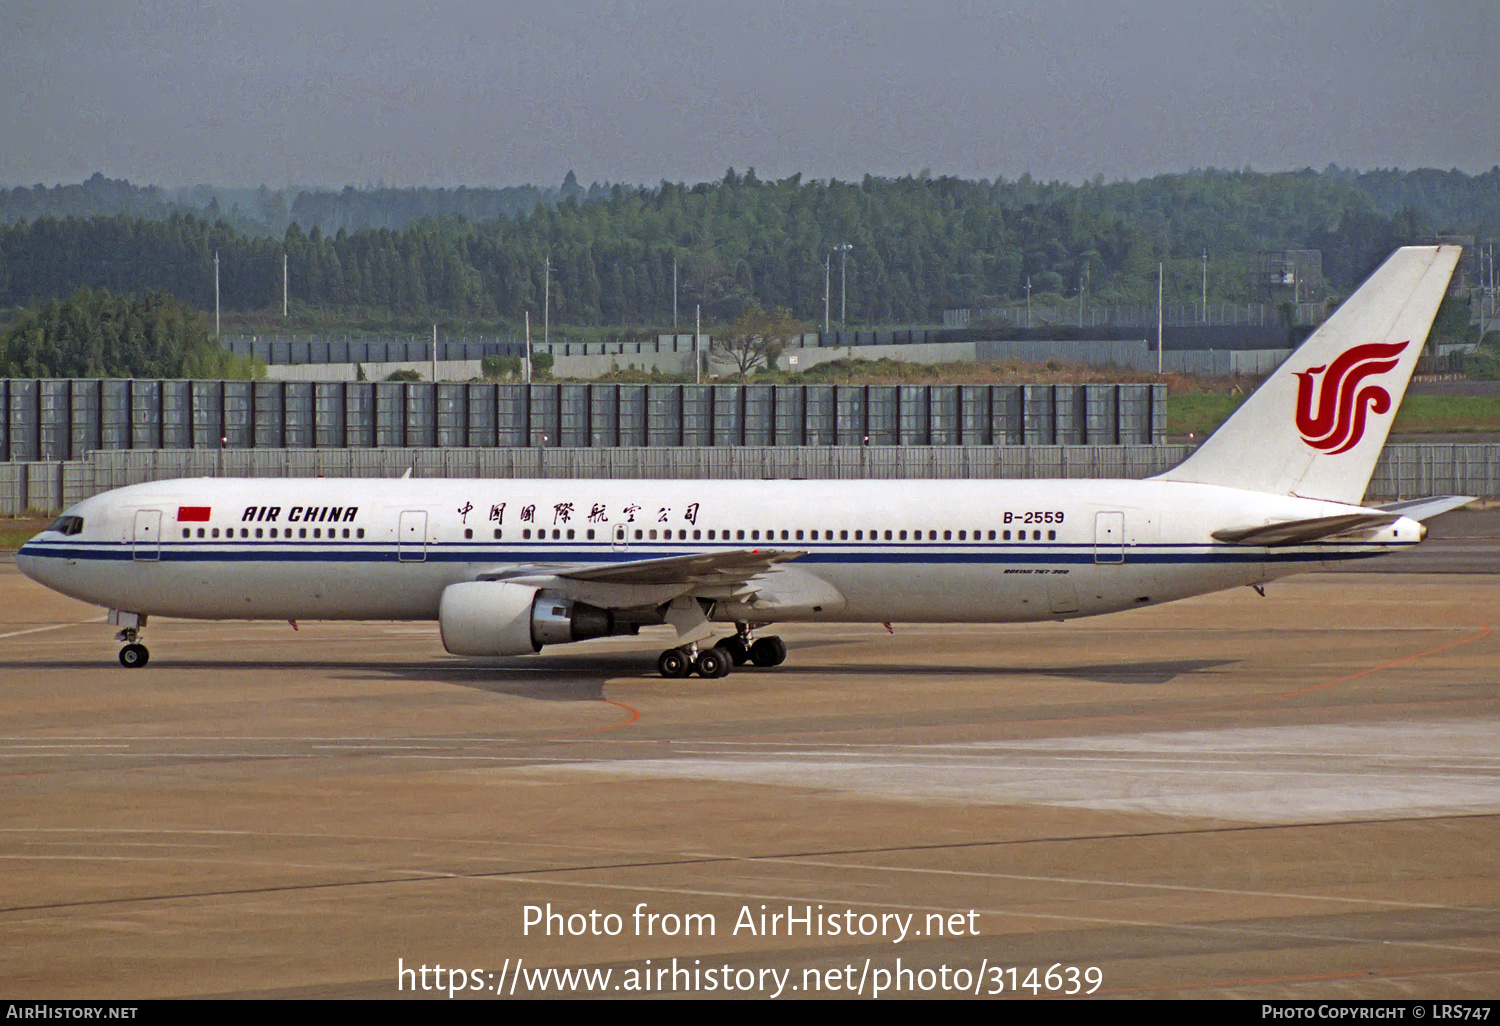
[[738, 651], [768, 652], [134, 656], [674, 662], [713, 663]]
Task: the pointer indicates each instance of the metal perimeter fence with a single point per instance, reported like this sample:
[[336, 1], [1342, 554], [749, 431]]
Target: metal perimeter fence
[[66, 418], [40, 487]]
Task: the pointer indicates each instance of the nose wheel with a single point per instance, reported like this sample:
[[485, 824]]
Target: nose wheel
[[134, 655]]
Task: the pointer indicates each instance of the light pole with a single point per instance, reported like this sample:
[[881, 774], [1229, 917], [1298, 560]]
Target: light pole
[[1205, 286], [825, 293], [1028, 301], [844, 249], [1159, 277]]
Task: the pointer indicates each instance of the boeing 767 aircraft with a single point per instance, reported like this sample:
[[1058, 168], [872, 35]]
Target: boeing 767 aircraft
[[508, 566]]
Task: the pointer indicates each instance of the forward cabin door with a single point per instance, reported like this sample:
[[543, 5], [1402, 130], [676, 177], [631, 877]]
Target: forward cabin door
[[1109, 537], [411, 540], [146, 545]]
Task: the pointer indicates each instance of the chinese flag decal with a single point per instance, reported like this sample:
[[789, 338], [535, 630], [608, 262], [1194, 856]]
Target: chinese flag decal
[[193, 514]]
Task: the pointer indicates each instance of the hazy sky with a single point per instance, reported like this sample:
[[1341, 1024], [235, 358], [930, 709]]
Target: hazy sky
[[497, 93]]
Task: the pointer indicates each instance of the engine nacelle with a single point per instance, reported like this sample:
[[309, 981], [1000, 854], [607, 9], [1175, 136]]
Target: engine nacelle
[[497, 618]]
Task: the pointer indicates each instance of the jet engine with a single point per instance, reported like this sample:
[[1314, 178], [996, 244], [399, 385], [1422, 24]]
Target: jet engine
[[496, 618]]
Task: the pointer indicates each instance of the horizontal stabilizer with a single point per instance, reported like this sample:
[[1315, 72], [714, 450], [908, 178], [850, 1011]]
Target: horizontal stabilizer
[[1299, 532], [1426, 509]]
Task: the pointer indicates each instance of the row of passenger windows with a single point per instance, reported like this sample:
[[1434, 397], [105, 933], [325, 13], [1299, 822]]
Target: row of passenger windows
[[260, 532], [650, 534], [698, 534]]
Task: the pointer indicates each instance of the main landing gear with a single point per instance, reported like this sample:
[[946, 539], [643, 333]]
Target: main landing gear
[[717, 661]]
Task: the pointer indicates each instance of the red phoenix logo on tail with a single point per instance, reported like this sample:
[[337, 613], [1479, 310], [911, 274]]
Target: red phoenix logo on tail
[[1338, 423]]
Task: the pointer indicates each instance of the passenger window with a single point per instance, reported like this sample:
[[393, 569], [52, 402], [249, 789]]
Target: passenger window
[[992, 536], [260, 533], [653, 534], [361, 532], [301, 532], [739, 535], [244, 532], [888, 535], [497, 534], [799, 535], [526, 533], [468, 532], [784, 534], [755, 536], [187, 532], [200, 532], [216, 532], [947, 536], [1007, 536], [346, 533], [591, 534], [637, 534], [317, 532], [1052, 536], [1036, 535], [570, 534], [843, 536], [963, 536], [903, 536]]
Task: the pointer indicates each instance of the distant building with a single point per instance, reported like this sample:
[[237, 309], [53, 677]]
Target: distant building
[[1280, 275]]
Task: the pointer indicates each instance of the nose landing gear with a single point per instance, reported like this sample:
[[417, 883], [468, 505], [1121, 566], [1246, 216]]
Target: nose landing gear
[[134, 655]]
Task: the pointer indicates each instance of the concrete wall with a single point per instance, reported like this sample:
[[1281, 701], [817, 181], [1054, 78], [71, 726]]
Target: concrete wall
[[447, 370]]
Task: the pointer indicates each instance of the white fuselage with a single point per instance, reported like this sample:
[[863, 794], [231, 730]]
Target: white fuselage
[[912, 551]]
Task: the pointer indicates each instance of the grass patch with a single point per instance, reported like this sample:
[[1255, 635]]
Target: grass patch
[[1419, 414], [15, 533], [1431, 414], [1199, 413]]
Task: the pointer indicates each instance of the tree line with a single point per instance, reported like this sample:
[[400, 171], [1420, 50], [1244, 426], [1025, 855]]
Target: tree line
[[606, 256], [100, 334]]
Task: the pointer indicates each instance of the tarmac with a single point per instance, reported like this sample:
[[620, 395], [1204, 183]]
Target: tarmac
[[1288, 797]]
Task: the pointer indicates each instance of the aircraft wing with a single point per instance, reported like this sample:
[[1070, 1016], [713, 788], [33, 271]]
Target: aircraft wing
[[1300, 532], [734, 566], [641, 581]]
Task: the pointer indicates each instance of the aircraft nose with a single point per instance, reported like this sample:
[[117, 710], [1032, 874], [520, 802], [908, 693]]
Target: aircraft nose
[[27, 560]]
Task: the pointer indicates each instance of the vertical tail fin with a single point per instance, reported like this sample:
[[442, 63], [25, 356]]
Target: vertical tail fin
[[1316, 426]]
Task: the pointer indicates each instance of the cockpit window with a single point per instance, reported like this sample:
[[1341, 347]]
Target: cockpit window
[[67, 525]]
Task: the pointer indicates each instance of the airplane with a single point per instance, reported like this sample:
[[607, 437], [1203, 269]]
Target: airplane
[[507, 567]]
